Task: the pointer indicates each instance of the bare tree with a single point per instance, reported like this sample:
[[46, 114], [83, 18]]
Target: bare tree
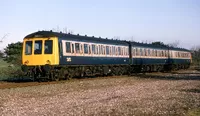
[[174, 44], [4, 37], [64, 30], [70, 31], [116, 37]]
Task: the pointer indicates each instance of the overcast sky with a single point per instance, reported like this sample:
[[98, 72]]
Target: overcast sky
[[142, 20]]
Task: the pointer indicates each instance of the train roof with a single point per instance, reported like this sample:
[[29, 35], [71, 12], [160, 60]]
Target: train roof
[[47, 34], [146, 45]]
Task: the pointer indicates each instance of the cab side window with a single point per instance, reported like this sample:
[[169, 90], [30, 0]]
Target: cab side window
[[28, 48], [48, 46]]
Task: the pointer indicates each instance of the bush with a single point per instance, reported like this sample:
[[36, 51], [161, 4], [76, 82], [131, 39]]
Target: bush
[[10, 73]]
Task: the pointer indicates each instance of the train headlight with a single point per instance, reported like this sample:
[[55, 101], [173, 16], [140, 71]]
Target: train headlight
[[48, 62], [26, 62]]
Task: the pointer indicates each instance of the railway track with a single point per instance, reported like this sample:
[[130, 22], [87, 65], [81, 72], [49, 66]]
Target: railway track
[[182, 74]]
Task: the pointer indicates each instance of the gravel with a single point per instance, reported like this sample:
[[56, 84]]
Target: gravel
[[104, 96]]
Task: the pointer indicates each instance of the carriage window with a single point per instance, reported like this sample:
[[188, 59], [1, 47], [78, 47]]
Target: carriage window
[[81, 48], [72, 48], [48, 46], [68, 47], [116, 51], [162, 53], [97, 51], [149, 52], [99, 48], [145, 52], [137, 52], [93, 49], [113, 50], [110, 48], [77, 47], [156, 53], [107, 50], [38, 47], [126, 51], [86, 48], [122, 51], [133, 52], [141, 52], [28, 50], [103, 50], [119, 51]]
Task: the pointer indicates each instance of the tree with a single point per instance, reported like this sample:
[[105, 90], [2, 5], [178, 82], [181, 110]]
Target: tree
[[159, 43], [195, 55], [13, 53], [1, 54]]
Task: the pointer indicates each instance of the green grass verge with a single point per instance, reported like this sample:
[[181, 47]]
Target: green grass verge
[[194, 112]]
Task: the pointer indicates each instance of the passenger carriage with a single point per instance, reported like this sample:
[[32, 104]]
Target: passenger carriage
[[73, 55]]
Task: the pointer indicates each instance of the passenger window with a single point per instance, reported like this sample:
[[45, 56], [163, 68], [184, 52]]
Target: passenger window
[[145, 51], [81, 48], [28, 46], [48, 46], [68, 47], [156, 52], [149, 52], [38, 47], [86, 48], [103, 48], [137, 52], [97, 49], [133, 51], [119, 51], [72, 48], [100, 49], [89, 47], [113, 50], [116, 51], [141, 52], [110, 48], [93, 49], [77, 47], [107, 50]]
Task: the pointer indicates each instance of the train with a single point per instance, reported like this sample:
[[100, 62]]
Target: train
[[57, 55]]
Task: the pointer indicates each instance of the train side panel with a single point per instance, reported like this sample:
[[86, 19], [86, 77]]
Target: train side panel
[[92, 53]]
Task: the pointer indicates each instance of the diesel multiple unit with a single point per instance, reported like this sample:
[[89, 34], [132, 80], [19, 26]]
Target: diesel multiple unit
[[54, 55]]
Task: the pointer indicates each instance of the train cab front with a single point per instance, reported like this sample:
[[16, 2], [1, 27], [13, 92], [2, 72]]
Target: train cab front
[[39, 55]]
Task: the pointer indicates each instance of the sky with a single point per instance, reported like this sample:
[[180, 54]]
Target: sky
[[168, 21]]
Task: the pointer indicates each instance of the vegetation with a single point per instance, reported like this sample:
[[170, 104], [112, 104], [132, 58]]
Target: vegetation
[[196, 56], [13, 53], [10, 61]]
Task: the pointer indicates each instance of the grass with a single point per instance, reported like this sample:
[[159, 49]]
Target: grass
[[194, 112], [6, 72]]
